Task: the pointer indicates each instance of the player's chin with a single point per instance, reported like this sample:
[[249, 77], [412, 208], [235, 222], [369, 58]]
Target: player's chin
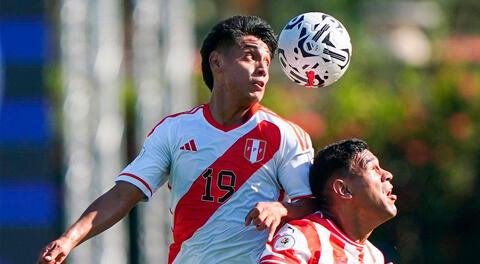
[[256, 97], [388, 209], [391, 210]]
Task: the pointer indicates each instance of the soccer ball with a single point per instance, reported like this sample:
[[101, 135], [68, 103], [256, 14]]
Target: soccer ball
[[314, 49]]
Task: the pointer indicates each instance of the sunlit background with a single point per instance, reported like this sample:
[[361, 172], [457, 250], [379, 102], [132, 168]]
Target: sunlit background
[[83, 82]]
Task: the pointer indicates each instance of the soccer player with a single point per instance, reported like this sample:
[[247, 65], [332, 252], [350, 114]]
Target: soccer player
[[220, 160], [354, 195]]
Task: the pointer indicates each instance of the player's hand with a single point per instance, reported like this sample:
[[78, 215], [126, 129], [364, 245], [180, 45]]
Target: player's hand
[[55, 252], [267, 215]]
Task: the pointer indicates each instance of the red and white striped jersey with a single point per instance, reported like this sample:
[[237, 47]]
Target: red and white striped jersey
[[315, 239], [217, 174]]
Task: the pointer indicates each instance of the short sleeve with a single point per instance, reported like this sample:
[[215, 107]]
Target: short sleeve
[[295, 164], [149, 170]]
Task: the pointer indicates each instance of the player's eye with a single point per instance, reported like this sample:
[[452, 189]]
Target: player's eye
[[372, 167], [249, 56]]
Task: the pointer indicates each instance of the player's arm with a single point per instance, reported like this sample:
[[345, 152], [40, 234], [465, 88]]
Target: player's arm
[[299, 208], [272, 214], [294, 177], [103, 213]]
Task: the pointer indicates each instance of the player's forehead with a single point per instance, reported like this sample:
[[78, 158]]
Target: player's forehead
[[254, 43], [364, 158]]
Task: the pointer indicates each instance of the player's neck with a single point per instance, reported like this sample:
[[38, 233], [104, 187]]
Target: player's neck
[[229, 113], [354, 225]]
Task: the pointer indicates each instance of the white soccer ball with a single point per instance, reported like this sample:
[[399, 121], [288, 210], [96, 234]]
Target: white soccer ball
[[314, 49]]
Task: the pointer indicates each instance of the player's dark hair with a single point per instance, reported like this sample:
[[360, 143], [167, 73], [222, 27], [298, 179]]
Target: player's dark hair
[[227, 32], [333, 159]]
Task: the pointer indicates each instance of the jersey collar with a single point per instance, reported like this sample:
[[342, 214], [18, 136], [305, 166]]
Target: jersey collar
[[208, 116]]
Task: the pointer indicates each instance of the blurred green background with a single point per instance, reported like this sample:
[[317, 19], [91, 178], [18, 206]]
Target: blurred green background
[[412, 91]]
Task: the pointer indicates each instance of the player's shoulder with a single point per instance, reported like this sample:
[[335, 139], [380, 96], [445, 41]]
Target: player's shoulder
[[178, 118], [276, 118], [309, 223], [291, 129], [304, 229], [377, 254], [313, 223]]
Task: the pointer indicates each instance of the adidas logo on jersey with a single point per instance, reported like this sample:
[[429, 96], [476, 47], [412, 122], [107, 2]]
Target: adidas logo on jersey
[[189, 146]]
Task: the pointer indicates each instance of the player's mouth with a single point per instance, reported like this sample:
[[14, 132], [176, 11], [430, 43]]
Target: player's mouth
[[391, 196], [259, 84]]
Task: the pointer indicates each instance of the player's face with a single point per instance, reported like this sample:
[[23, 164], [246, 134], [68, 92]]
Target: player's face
[[246, 69], [371, 187]]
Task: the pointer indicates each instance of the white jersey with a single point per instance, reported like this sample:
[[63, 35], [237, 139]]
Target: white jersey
[[317, 240], [217, 174]]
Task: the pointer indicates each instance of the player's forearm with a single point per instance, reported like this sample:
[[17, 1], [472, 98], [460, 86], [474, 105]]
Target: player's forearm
[[103, 213], [300, 208], [83, 229], [92, 222]]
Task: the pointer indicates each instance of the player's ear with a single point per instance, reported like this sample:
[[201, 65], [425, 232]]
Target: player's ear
[[216, 60], [340, 188]]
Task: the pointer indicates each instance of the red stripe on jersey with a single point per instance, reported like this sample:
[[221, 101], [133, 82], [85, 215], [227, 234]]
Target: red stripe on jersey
[[189, 112], [248, 149], [304, 135], [302, 197], [272, 259], [371, 253], [298, 134], [361, 256], [191, 212], [335, 230], [289, 254], [338, 240], [308, 141], [313, 241], [192, 143], [139, 179], [316, 217], [281, 195], [328, 224], [339, 255]]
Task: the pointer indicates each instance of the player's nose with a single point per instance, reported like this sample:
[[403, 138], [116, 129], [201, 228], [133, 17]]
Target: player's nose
[[262, 68], [388, 176]]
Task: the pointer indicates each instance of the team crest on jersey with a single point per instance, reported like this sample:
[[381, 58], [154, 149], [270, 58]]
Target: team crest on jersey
[[284, 242], [255, 150]]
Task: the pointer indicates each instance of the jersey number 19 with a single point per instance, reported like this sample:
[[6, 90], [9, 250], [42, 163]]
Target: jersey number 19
[[227, 185]]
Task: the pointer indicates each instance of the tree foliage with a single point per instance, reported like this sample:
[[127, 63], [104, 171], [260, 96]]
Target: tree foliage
[[422, 121]]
